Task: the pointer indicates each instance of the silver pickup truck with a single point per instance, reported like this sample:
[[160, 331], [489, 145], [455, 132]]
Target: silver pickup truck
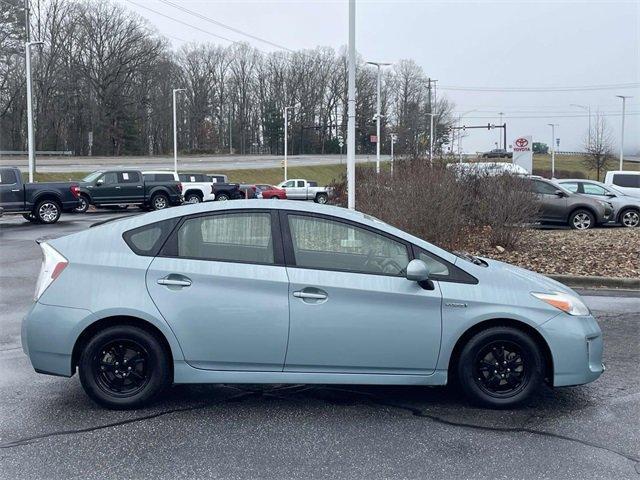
[[300, 189]]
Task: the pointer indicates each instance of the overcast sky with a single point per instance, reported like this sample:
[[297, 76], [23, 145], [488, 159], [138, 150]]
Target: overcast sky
[[484, 45]]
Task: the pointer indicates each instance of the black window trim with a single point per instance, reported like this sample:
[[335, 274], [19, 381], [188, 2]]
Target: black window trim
[[170, 247], [412, 250]]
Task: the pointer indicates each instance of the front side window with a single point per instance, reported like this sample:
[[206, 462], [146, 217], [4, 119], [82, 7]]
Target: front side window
[[110, 178], [234, 237], [290, 183], [8, 177], [332, 245], [571, 186], [544, 188], [592, 189]]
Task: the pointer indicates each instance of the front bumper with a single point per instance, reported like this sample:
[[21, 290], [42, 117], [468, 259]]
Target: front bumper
[[576, 347]]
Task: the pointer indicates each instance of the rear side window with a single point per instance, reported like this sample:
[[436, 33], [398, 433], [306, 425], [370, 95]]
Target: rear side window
[[236, 237], [148, 239], [626, 180], [129, 177], [7, 177]]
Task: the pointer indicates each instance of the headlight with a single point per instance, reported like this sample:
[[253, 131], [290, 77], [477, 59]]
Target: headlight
[[563, 301], [603, 203]]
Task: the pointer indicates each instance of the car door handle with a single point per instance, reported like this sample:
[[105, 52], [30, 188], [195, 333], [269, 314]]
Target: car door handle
[[175, 281], [313, 296], [16, 190], [117, 188], [139, 186]]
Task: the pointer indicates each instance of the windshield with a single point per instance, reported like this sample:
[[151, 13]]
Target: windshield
[[92, 176]]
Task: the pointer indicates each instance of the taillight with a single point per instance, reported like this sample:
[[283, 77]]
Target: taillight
[[180, 187], [75, 190], [53, 263]]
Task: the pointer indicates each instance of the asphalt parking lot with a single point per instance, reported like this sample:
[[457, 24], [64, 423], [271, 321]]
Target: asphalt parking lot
[[50, 429]]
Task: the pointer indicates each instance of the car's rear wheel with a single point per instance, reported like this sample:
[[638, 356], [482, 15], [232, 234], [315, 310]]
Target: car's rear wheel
[[159, 201], [500, 367], [582, 220], [192, 198], [124, 367], [630, 218], [321, 198], [47, 211], [83, 204], [222, 197]]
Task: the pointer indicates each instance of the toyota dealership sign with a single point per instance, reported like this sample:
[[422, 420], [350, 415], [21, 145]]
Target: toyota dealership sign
[[523, 152]]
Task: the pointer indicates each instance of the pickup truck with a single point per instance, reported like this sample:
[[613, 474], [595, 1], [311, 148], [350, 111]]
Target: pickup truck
[[200, 187], [300, 189], [104, 188], [37, 202]]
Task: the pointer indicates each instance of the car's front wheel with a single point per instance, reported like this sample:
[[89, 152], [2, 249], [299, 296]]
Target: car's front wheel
[[582, 220], [500, 367], [124, 367], [83, 204]]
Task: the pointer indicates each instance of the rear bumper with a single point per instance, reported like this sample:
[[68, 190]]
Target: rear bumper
[[576, 347]]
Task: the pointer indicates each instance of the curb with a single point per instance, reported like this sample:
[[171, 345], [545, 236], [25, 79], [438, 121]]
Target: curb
[[586, 281]]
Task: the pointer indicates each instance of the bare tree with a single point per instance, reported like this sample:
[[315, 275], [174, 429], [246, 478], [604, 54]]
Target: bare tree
[[598, 147]]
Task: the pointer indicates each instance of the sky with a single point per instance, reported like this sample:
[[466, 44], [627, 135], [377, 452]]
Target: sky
[[479, 52]]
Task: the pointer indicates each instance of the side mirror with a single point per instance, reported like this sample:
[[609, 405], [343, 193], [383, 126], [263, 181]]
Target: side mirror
[[417, 271], [100, 182], [611, 195], [560, 193]]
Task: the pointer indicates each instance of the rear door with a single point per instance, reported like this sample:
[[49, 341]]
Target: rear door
[[130, 186], [11, 191], [221, 284]]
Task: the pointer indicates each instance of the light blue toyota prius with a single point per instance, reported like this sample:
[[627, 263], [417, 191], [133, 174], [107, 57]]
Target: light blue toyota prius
[[256, 291]]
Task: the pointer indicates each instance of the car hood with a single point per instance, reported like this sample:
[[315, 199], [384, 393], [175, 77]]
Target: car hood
[[535, 281]]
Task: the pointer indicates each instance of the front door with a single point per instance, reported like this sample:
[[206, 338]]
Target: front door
[[104, 189], [352, 309], [11, 192], [130, 187], [221, 285], [553, 206]]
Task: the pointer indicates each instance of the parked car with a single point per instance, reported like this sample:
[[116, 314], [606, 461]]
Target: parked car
[[560, 206], [197, 187], [626, 208], [37, 202], [217, 178], [269, 192], [248, 191], [227, 191], [104, 188], [497, 153], [300, 189], [348, 299], [626, 181]]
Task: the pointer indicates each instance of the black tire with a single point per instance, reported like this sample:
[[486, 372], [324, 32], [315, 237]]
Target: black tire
[[84, 204], [159, 201], [517, 379], [108, 352], [47, 211], [582, 219], [222, 197], [321, 198], [31, 217], [192, 197], [630, 218]]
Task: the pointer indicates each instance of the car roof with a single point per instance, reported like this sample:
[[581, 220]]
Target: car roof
[[158, 171]]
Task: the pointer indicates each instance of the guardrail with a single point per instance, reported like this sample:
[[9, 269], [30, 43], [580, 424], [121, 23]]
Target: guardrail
[[60, 153]]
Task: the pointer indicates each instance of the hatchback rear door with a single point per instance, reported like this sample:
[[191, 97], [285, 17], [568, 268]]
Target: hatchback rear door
[[221, 284]]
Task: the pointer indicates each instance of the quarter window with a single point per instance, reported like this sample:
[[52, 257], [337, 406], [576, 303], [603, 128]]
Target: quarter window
[[331, 245], [234, 237]]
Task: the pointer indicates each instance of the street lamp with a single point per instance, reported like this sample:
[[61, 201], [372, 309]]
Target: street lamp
[[31, 140], [394, 137], [588, 109], [175, 130], [553, 148], [431, 137], [286, 139], [379, 65], [460, 136], [624, 104]]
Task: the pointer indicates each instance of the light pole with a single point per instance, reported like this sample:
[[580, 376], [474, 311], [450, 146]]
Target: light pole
[[379, 65], [553, 148], [431, 137], [30, 134], [393, 140], [459, 135], [588, 109], [351, 121], [286, 140], [624, 104], [175, 130]]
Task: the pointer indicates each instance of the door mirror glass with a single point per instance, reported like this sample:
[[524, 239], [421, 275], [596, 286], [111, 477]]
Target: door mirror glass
[[417, 271]]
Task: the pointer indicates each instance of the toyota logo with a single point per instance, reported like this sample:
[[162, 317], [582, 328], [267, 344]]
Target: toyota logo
[[522, 142]]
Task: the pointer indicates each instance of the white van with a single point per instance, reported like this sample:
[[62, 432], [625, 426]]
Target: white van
[[626, 181]]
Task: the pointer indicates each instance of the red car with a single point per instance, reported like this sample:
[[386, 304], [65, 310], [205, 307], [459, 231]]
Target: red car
[[269, 191]]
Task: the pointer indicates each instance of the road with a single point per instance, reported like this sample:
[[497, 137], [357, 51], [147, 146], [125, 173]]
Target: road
[[208, 163], [50, 429]]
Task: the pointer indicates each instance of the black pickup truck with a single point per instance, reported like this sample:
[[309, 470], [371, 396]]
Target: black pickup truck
[[105, 188], [37, 202]]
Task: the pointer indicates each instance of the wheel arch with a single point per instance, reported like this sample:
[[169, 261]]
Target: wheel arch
[[503, 322], [197, 191], [588, 208], [110, 321], [47, 195]]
